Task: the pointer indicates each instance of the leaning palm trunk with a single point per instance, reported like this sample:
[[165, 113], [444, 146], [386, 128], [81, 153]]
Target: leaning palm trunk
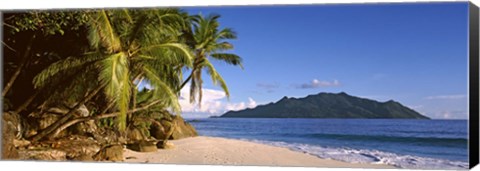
[[66, 117], [101, 116]]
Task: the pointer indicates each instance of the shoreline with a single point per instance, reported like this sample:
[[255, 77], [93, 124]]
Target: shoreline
[[203, 150]]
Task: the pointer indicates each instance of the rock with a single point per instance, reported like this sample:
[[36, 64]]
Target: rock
[[43, 154], [108, 136], [158, 131], [15, 123], [84, 128], [8, 135], [165, 145], [82, 111], [83, 157], [135, 134], [77, 146], [21, 143], [169, 126], [110, 153], [53, 114], [182, 129], [143, 146], [49, 118]]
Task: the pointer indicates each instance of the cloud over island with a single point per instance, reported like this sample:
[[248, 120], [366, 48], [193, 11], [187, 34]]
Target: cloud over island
[[214, 102], [315, 83]]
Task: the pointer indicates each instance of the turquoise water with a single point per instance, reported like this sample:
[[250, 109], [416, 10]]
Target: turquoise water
[[423, 144]]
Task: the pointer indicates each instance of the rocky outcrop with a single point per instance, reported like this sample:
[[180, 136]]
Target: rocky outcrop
[[143, 146], [77, 146], [69, 148], [165, 145], [182, 129], [43, 154], [83, 128], [161, 131], [171, 128], [83, 157], [20, 143], [135, 134], [8, 136], [42, 119], [110, 153]]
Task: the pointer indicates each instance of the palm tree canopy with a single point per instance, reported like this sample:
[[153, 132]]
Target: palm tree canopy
[[210, 41], [129, 44]]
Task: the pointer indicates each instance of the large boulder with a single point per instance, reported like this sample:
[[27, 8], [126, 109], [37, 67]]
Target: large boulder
[[77, 146], [165, 145], [182, 129], [110, 153], [83, 128], [143, 146], [53, 114], [8, 136], [83, 157], [109, 136], [160, 131], [43, 154], [135, 134]]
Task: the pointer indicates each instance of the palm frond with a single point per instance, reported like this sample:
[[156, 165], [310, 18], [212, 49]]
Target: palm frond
[[162, 90], [42, 78], [178, 51], [115, 74], [216, 78], [228, 58], [226, 33], [102, 33]]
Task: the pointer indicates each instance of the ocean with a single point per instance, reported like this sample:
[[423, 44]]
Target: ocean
[[405, 143]]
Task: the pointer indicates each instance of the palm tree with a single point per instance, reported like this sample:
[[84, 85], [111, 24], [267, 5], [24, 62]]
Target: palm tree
[[209, 41], [131, 45]]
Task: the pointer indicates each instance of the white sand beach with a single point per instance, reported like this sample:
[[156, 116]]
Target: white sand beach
[[221, 151]]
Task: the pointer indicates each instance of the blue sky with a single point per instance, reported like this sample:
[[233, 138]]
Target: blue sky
[[412, 53]]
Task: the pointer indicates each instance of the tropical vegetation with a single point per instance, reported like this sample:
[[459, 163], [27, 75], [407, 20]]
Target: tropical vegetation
[[98, 60]]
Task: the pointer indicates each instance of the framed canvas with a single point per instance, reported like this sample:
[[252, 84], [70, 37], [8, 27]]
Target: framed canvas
[[350, 85]]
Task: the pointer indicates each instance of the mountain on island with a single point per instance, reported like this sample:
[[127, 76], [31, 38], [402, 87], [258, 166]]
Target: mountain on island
[[328, 105]]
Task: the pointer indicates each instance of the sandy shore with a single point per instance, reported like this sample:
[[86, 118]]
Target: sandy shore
[[221, 151]]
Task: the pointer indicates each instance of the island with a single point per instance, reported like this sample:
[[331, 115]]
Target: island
[[328, 105]]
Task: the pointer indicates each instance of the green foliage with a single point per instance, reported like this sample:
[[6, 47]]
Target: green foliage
[[140, 44], [121, 46], [65, 65], [209, 40], [106, 123], [48, 22]]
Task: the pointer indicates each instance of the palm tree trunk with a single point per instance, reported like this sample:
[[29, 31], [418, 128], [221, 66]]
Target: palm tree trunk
[[185, 82], [134, 96], [66, 117], [19, 69], [33, 96], [195, 67], [101, 116]]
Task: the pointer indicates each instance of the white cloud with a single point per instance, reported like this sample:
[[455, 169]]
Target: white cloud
[[315, 83], [446, 97], [251, 103], [213, 102]]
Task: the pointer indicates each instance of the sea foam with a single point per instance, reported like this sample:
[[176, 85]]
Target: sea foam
[[369, 156]]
